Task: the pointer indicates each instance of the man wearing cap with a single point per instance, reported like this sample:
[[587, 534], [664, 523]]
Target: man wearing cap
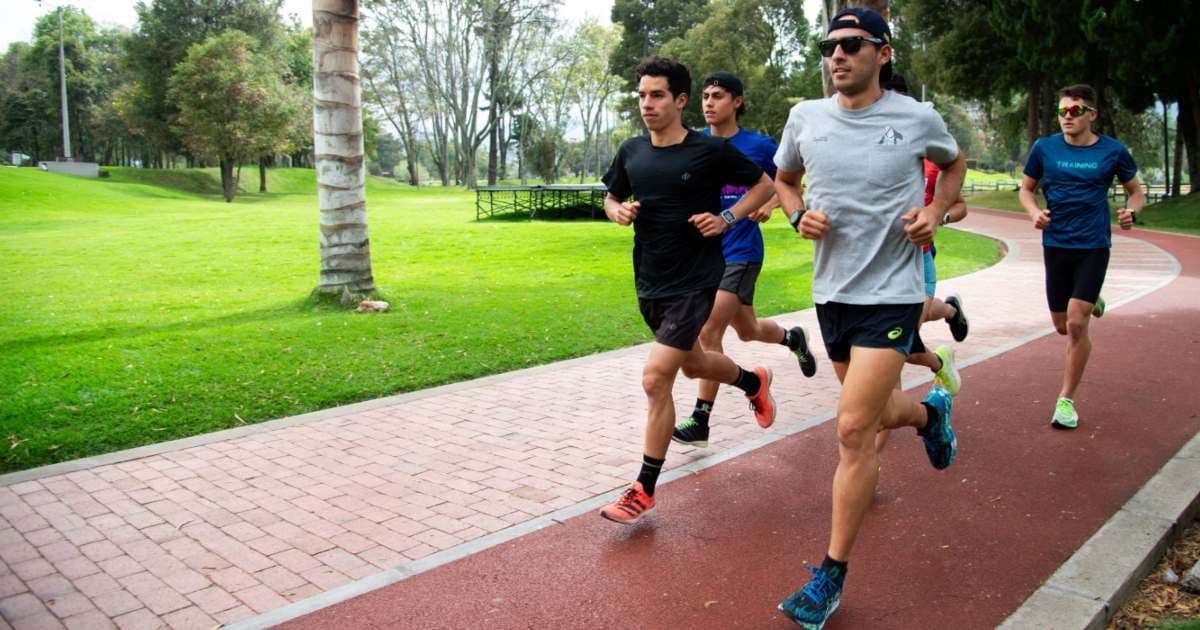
[[862, 151], [742, 245]]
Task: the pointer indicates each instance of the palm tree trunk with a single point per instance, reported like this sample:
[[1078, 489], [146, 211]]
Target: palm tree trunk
[[338, 145]]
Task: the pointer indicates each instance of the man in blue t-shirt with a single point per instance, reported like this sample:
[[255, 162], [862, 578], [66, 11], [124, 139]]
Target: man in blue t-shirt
[[1075, 169], [742, 246]]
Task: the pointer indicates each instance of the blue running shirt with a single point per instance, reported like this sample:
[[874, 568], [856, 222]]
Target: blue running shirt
[[743, 242], [1075, 181]]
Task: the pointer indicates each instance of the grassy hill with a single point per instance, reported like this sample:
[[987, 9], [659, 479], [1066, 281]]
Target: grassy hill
[[143, 308]]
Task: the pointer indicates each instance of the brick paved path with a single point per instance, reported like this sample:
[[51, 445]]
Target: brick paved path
[[229, 526]]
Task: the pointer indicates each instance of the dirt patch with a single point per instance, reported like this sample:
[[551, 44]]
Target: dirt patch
[[1157, 600]]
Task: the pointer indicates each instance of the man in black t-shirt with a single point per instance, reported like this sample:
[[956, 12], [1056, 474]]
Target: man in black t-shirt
[[676, 176]]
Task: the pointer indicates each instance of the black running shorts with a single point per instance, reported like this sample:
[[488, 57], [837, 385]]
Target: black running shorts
[[740, 278], [1073, 273], [677, 320], [867, 326]]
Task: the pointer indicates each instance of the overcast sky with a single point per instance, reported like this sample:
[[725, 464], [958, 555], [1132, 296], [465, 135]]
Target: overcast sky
[[18, 26]]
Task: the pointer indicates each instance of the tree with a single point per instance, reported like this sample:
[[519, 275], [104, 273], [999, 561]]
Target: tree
[[166, 31], [338, 140], [232, 103], [593, 85], [645, 26]]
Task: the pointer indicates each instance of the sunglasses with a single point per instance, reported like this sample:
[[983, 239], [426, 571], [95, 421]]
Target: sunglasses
[[850, 45], [1075, 111]]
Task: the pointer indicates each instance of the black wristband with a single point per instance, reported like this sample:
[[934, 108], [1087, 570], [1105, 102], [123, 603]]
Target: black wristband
[[796, 218]]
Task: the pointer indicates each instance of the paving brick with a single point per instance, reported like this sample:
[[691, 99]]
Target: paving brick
[[92, 620], [32, 569], [232, 579], [69, 604], [260, 599], [189, 618], [152, 592], [213, 600], [140, 619], [21, 606]]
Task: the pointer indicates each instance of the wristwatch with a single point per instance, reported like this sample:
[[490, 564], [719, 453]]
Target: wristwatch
[[946, 218], [796, 217], [728, 217]]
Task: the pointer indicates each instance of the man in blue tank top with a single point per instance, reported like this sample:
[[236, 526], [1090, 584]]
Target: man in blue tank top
[[1075, 169], [742, 245]]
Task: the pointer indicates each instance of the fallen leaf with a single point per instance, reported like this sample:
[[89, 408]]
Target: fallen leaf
[[710, 603], [239, 418]]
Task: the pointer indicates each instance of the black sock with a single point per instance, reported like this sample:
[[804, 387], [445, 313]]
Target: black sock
[[829, 565], [790, 340], [747, 382], [941, 364], [649, 474], [931, 416], [700, 413]]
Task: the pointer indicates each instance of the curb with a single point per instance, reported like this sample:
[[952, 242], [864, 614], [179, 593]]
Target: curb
[[1089, 588]]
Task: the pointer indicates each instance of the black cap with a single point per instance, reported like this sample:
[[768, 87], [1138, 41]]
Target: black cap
[[727, 81], [869, 21]]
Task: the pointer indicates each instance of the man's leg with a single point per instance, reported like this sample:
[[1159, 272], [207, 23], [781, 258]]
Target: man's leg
[[712, 336], [1079, 344], [869, 402]]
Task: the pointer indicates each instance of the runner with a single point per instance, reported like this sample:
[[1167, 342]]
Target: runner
[[742, 246], [941, 360], [1075, 169], [862, 150], [676, 176]]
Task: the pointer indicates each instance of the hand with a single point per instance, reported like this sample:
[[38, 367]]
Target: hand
[[761, 215], [1041, 219], [1125, 218], [918, 227], [813, 225], [709, 224], [627, 213]]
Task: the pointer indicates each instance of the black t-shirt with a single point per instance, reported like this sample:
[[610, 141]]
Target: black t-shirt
[[670, 256]]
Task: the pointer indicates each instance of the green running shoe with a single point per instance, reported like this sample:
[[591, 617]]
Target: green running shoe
[[947, 377], [1064, 415], [1098, 307], [691, 433]]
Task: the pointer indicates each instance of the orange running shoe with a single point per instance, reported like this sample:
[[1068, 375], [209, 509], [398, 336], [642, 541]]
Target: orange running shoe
[[763, 403], [632, 505]]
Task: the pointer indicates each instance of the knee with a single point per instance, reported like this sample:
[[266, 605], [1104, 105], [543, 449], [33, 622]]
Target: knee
[[854, 436], [710, 338], [656, 384], [746, 333], [690, 370], [1076, 328], [1060, 326]]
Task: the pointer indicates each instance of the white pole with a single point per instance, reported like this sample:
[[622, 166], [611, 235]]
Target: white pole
[[62, 80]]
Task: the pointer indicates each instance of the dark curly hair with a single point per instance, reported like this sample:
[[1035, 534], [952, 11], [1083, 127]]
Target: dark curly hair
[[679, 80]]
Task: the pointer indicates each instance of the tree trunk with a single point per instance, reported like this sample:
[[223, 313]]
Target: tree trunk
[[228, 186], [1166, 151], [1032, 120], [262, 174], [338, 145], [1178, 175], [1189, 113]]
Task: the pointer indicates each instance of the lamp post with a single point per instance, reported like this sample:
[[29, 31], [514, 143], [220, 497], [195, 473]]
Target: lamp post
[[62, 81]]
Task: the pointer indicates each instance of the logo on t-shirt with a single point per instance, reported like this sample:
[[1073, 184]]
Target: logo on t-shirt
[[1067, 164], [686, 176], [890, 136]]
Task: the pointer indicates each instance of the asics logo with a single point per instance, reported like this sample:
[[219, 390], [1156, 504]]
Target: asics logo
[[895, 333]]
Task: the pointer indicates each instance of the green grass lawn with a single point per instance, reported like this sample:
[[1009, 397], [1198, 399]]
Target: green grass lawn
[[1181, 214], [142, 308]]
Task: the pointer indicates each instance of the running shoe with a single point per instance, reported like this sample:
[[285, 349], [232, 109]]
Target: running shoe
[[959, 326], [1098, 307], [762, 402], [811, 606], [808, 363], [1064, 414], [947, 377], [940, 443], [691, 433], [632, 505]]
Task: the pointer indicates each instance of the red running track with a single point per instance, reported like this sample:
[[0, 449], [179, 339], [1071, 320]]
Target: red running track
[[961, 548]]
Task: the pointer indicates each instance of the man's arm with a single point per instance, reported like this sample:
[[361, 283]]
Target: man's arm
[[763, 213], [620, 212], [922, 224], [1135, 200], [713, 225], [1040, 217]]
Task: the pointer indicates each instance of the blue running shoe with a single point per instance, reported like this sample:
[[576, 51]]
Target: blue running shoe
[[940, 443], [811, 606]]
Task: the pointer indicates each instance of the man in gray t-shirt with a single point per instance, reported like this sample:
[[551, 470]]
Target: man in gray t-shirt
[[862, 151]]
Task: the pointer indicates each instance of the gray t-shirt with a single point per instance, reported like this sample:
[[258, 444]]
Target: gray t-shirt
[[864, 170]]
